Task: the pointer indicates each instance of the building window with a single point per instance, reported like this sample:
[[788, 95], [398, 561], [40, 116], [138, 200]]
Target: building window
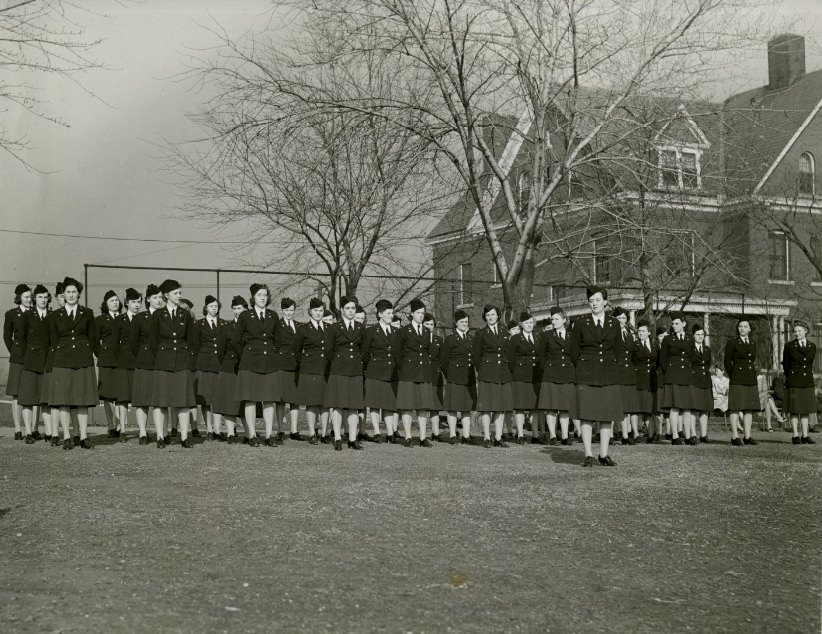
[[806, 174], [602, 262], [778, 254], [679, 168], [465, 288]]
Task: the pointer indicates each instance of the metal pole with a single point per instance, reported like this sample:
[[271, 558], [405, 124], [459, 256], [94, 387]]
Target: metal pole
[[85, 284], [218, 287]]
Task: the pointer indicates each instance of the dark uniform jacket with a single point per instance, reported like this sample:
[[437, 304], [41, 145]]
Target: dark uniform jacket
[[412, 354], [284, 343], [227, 353], [255, 338], [378, 353], [491, 355], [207, 357], [645, 365], [139, 343], [343, 347], [675, 359], [123, 332], [626, 373], [12, 333], [73, 338], [555, 357], [740, 361], [523, 358], [106, 348], [701, 366], [51, 347], [457, 359], [434, 351], [171, 340], [594, 350], [309, 348], [36, 336], [798, 364]]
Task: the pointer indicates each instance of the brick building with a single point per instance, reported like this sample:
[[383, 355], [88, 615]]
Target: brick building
[[689, 225]]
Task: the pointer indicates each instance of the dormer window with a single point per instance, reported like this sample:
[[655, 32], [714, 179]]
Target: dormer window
[[806, 174], [679, 168]]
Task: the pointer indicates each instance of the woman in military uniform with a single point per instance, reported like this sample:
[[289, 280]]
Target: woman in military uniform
[[380, 372], [106, 351], [414, 390], [797, 362], [644, 358], [287, 369], [12, 334], [557, 391], [743, 395], [703, 399], [35, 339], [73, 332], [626, 376], [677, 395], [207, 361], [226, 406], [522, 361], [456, 363], [141, 393], [309, 351], [124, 376], [494, 393], [437, 380]]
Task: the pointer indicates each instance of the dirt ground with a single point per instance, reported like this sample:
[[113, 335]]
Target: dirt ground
[[226, 538]]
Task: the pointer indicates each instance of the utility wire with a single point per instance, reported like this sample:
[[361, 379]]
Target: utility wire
[[120, 239]]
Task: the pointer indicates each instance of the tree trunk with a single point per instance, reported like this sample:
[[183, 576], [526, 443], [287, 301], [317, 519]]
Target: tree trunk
[[517, 292]]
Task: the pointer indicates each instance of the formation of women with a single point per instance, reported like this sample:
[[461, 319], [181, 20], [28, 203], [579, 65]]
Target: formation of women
[[590, 375]]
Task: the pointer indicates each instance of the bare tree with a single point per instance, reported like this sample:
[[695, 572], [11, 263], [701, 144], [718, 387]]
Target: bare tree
[[537, 61], [38, 36]]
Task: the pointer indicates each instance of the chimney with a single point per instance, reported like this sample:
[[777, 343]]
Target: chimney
[[786, 60]]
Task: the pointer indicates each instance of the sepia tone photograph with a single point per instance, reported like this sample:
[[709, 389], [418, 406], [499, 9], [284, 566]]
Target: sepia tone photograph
[[410, 316]]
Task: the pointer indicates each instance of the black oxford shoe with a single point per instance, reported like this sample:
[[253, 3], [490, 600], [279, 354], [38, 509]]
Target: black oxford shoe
[[606, 461]]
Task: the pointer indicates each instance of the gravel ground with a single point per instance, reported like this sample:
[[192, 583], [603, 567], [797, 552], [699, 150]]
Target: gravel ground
[[225, 538]]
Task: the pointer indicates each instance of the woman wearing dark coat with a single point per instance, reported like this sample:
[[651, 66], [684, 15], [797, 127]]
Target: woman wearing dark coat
[[106, 350], [703, 397], [413, 360], [494, 394], [381, 372], [523, 349], [557, 390], [207, 360], [743, 394], [344, 391], [35, 338], [254, 337], [309, 350], [171, 338], [677, 395], [456, 363], [73, 332], [626, 376], [226, 405], [797, 362], [124, 378], [287, 368], [437, 380], [140, 346], [644, 356], [12, 333], [596, 344]]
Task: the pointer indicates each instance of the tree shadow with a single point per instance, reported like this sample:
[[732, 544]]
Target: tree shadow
[[564, 456]]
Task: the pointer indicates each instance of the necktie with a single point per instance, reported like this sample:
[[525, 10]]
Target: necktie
[[494, 330], [528, 337], [174, 313], [260, 314], [291, 325], [647, 345], [681, 336], [699, 349], [350, 326], [599, 323]]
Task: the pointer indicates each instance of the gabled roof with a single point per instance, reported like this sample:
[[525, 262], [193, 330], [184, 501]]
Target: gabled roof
[[761, 124]]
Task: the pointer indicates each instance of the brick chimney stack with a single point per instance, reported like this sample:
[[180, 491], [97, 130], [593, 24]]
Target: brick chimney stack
[[786, 60]]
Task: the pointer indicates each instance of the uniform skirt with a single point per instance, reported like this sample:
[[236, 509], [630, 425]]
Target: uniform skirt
[[74, 387], [412, 395], [495, 397], [743, 398], [205, 387], [224, 402], [257, 387], [13, 383], [437, 389], [45, 388], [557, 397], [311, 389], [630, 399], [380, 395], [125, 385], [703, 399], [601, 403], [677, 396], [460, 398], [645, 402], [29, 392], [524, 395], [173, 389], [107, 383], [344, 392], [287, 384], [800, 401], [141, 389]]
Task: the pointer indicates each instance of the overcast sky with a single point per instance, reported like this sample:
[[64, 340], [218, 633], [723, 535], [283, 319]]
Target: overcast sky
[[102, 175]]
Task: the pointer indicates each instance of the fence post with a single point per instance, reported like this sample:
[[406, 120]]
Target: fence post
[[85, 284], [218, 287]]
